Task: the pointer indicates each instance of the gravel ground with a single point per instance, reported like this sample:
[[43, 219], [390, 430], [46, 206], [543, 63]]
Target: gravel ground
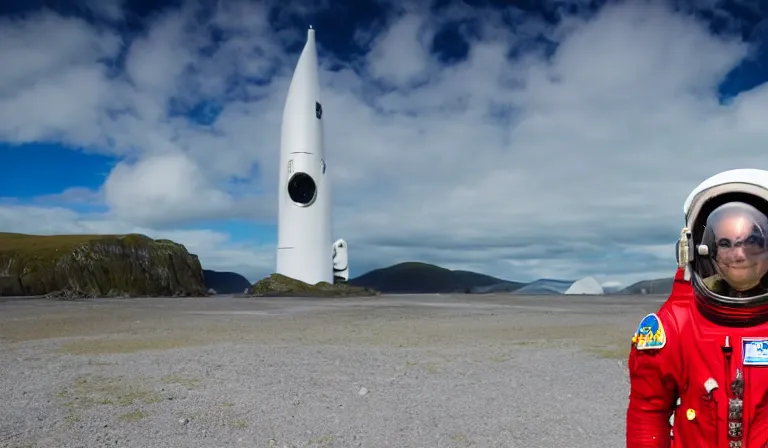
[[392, 371]]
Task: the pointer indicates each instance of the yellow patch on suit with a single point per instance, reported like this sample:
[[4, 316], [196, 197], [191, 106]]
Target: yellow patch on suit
[[650, 334]]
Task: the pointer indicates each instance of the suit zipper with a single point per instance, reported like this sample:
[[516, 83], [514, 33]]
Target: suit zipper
[[735, 387]]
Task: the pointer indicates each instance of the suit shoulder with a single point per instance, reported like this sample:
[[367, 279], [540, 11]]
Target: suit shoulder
[[674, 313]]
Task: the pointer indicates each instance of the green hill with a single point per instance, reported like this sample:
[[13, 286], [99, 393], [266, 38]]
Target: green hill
[[423, 278], [277, 285]]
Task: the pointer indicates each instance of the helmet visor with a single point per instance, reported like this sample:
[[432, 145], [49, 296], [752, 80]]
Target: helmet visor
[[732, 258]]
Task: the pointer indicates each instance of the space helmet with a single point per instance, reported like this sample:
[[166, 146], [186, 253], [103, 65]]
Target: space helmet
[[724, 246]]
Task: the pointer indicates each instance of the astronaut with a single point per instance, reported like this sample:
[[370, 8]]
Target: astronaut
[[698, 368]]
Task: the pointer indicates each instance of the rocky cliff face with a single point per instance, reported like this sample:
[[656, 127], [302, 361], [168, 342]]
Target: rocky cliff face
[[97, 265]]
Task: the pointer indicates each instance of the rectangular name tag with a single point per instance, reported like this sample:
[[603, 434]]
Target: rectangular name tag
[[755, 351]]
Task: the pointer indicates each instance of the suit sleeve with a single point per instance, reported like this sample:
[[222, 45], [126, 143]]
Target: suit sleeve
[[653, 391]]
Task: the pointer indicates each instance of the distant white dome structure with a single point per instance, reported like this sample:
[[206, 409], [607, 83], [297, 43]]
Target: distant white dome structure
[[585, 286]]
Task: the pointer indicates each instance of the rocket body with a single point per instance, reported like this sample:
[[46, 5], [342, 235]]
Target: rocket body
[[304, 246]]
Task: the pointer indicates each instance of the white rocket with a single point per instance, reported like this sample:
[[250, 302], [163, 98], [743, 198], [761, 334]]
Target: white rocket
[[304, 248]]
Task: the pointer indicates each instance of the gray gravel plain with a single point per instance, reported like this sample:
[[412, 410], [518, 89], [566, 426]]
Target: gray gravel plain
[[391, 371]]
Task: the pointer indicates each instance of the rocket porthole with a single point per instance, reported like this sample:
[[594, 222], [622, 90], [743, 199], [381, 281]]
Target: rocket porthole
[[302, 189]]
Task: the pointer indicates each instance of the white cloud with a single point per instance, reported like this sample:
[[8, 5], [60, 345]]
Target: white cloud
[[172, 184], [401, 54], [55, 88], [563, 167]]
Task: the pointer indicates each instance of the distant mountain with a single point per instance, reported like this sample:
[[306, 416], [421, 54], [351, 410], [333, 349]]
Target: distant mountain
[[424, 278], [658, 286], [497, 288], [225, 282], [545, 286], [416, 278]]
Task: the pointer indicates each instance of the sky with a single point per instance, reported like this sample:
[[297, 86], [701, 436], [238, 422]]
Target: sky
[[522, 139]]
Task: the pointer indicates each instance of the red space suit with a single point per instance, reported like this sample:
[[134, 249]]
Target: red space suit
[[699, 366]]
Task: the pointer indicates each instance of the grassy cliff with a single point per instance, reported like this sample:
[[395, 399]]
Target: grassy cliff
[[97, 265]]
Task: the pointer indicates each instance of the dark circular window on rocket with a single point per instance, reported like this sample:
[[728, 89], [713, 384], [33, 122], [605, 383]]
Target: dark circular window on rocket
[[302, 189]]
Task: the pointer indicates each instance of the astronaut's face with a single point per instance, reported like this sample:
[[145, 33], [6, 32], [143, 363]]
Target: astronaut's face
[[742, 255]]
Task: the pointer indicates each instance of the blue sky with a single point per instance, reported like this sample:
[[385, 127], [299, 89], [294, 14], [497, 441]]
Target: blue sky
[[521, 141]]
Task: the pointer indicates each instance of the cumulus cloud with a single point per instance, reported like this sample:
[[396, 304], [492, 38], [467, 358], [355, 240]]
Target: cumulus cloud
[[401, 54], [548, 151], [171, 183]]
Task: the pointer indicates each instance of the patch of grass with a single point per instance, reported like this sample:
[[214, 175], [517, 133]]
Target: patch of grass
[[610, 352], [18, 444], [116, 345], [190, 382], [72, 416], [531, 342], [605, 341], [421, 332], [31, 328], [103, 328], [199, 416], [239, 424], [89, 392], [460, 439], [325, 441], [134, 416], [92, 362], [612, 348], [428, 366]]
